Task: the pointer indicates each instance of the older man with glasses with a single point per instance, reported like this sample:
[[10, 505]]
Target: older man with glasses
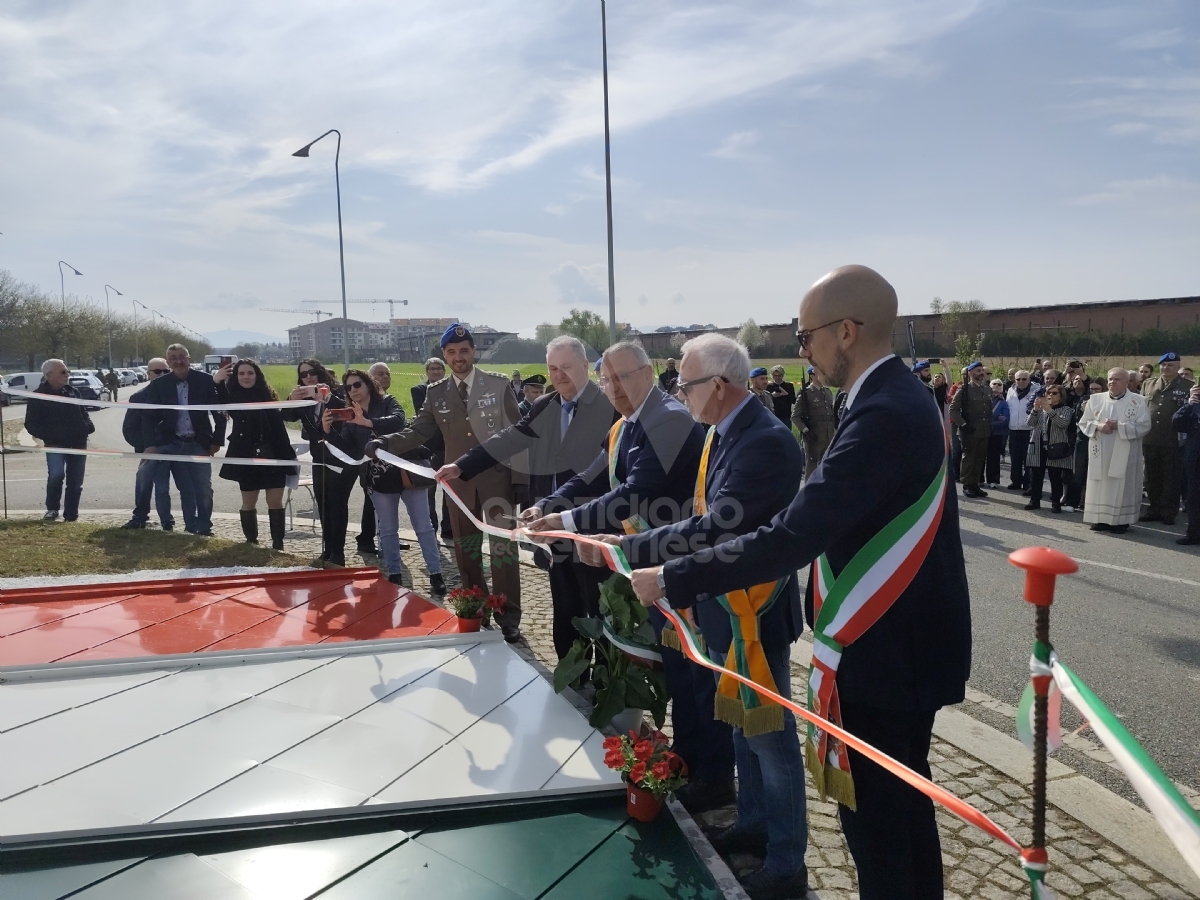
[[60, 425], [153, 476], [1020, 404]]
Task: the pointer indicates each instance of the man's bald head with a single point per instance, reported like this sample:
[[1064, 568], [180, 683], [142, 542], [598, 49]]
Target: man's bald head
[[853, 292], [1118, 381]]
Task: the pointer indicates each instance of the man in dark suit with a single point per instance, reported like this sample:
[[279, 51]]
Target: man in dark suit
[[183, 433], [646, 477], [153, 476], [911, 654], [751, 470], [559, 436]]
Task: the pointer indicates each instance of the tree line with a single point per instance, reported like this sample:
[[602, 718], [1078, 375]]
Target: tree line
[[35, 326]]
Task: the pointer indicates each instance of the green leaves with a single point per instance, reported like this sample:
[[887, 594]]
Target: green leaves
[[571, 666], [610, 701]]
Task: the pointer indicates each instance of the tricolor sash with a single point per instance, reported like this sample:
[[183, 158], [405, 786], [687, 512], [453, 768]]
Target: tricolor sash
[[635, 524], [735, 702], [846, 606]]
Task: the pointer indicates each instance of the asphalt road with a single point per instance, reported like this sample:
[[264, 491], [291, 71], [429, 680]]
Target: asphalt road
[[1128, 623]]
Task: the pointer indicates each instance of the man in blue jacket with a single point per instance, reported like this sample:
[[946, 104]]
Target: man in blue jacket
[[645, 477], [153, 477], [889, 656], [184, 433]]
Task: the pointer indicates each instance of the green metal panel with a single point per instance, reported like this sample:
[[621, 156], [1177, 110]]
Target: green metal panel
[[414, 871], [527, 856], [50, 884]]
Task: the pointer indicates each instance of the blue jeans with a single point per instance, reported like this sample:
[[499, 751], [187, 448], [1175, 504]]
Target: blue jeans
[[58, 466], [387, 518], [770, 771], [153, 478], [195, 486]]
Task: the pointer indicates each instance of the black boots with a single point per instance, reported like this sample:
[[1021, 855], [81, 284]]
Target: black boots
[[276, 518], [250, 525]]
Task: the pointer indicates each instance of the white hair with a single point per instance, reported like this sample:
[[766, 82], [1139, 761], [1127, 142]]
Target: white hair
[[570, 342], [720, 355], [634, 348], [379, 365], [435, 361], [51, 363]]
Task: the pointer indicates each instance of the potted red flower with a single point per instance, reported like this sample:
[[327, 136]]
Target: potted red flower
[[472, 605], [649, 770]]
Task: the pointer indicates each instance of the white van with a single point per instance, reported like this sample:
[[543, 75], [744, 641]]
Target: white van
[[26, 381]]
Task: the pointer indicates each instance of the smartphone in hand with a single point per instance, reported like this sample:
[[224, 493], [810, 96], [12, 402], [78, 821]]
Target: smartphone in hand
[[341, 415]]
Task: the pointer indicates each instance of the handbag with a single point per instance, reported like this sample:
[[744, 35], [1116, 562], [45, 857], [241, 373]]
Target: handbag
[[1058, 450]]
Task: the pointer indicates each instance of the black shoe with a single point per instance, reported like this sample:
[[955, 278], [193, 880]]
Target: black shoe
[[511, 633], [1032, 505], [701, 796], [764, 885], [1027, 493], [395, 579], [437, 584], [447, 534], [333, 563], [368, 549], [1056, 507], [1150, 517], [1014, 487], [980, 492], [1188, 539], [732, 840], [1119, 529], [133, 524], [1101, 526], [1167, 520]]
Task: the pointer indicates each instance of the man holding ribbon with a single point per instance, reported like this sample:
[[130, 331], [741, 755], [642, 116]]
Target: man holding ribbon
[[890, 606]]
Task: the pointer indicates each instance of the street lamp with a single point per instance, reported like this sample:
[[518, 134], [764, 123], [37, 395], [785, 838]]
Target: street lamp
[[303, 152], [63, 288], [108, 313]]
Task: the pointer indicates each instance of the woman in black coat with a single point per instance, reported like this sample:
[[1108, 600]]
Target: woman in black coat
[[333, 480], [256, 434]]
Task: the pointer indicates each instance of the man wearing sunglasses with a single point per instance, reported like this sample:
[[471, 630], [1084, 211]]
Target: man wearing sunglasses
[[153, 476], [896, 645]]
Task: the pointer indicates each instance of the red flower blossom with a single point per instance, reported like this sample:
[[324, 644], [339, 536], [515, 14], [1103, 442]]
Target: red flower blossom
[[643, 750], [638, 772], [633, 736], [661, 770], [675, 762], [497, 601], [614, 759], [612, 743]]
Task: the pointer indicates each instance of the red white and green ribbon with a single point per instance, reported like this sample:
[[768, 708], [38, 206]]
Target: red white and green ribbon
[[1041, 679]]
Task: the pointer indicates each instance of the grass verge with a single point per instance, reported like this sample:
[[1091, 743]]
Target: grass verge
[[32, 547]]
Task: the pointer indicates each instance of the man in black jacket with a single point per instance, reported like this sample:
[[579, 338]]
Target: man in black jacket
[[153, 477], [184, 433], [892, 655], [60, 425]]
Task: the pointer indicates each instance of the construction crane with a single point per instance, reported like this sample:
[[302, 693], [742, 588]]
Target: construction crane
[[304, 312], [391, 304]]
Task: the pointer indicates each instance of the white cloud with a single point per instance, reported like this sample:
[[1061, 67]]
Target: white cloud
[[1167, 194], [1154, 40], [738, 146], [581, 284], [1168, 107]]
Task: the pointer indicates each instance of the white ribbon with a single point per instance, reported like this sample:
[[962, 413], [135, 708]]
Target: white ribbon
[[199, 407], [171, 457]]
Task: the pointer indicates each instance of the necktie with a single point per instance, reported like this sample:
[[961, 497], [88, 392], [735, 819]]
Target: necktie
[[568, 410], [716, 441], [463, 392]]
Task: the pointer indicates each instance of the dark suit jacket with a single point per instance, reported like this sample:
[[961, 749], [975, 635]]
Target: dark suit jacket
[[888, 448], [158, 428], [657, 460], [754, 473], [436, 443], [131, 427], [553, 458]]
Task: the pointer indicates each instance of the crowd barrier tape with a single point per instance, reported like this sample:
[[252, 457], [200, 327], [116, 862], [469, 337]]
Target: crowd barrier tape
[[171, 457], [198, 407]]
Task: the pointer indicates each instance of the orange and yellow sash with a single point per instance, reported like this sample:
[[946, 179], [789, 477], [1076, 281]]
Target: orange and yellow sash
[[635, 524]]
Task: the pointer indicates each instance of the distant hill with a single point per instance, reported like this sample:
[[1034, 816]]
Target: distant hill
[[231, 337]]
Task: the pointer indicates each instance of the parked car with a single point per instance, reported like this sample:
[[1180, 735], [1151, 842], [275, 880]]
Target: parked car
[[4, 398], [128, 377], [142, 372], [90, 388]]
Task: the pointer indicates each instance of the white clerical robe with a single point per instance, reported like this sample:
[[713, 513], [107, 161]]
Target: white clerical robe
[[1114, 485]]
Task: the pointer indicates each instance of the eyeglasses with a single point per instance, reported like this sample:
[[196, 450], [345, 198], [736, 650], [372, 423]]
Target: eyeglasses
[[159, 371], [304, 373], [354, 384], [605, 381], [804, 335], [685, 387]]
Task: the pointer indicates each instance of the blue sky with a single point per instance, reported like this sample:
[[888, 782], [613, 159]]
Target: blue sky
[[1008, 152]]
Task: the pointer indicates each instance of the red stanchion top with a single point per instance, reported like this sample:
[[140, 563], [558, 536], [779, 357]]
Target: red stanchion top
[[1042, 566]]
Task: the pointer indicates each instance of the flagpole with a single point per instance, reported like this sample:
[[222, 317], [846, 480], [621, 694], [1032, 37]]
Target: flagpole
[[612, 290]]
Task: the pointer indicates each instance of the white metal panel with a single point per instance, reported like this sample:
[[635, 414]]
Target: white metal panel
[[25, 703]]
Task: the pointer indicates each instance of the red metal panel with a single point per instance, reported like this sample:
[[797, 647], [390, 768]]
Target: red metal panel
[[18, 617], [408, 617]]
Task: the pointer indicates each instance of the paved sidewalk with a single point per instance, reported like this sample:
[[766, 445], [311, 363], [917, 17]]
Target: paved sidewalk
[[969, 758]]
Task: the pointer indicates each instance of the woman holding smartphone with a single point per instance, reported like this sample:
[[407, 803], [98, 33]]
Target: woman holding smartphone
[[373, 414], [333, 481], [1051, 446], [256, 434]]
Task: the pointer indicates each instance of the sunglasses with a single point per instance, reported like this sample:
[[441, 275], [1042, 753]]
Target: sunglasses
[[804, 335], [304, 373], [159, 371], [354, 384]]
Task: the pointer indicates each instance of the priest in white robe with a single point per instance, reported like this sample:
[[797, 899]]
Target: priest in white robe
[[1115, 423]]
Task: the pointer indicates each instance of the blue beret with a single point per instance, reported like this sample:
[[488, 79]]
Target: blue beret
[[975, 365], [1169, 357], [754, 373], [455, 333], [598, 362], [920, 365], [810, 370]]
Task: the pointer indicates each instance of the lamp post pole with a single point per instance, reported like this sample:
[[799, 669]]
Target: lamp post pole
[[337, 181], [62, 285], [108, 315], [612, 290]]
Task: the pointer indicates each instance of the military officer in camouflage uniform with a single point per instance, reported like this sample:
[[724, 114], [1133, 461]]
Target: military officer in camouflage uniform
[[971, 412], [814, 419], [1164, 394], [467, 408]]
